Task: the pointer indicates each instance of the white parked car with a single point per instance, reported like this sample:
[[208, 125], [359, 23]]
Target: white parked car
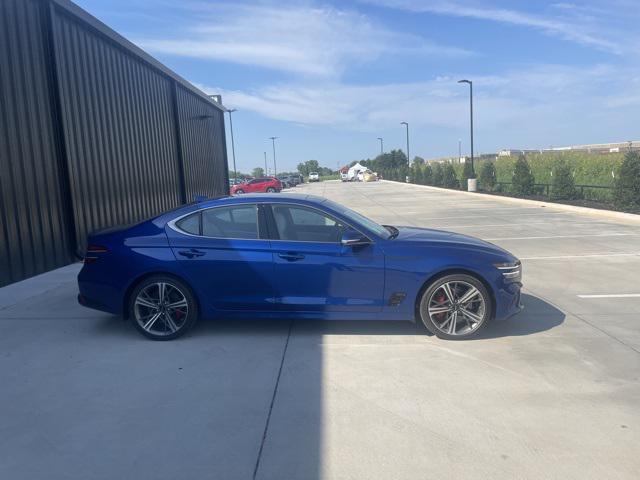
[[314, 177]]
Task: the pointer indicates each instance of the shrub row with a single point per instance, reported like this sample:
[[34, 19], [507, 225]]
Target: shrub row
[[527, 176]]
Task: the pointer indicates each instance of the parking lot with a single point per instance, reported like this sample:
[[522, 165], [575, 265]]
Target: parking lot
[[551, 393]]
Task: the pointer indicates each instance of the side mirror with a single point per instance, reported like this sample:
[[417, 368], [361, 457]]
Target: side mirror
[[352, 238]]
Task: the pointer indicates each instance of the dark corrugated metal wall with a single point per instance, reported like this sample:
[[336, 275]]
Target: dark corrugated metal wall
[[206, 159], [118, 127], [33, 218], [92, 134]]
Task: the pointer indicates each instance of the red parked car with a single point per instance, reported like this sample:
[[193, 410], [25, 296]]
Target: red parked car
[[261, 185]]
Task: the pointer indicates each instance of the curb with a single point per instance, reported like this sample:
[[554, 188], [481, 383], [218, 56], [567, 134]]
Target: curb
[[595, 212]]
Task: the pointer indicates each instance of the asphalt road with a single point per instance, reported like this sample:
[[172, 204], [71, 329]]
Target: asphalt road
[[553, 393]]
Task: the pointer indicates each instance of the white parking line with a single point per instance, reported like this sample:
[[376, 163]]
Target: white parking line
[[490, 216], [509, 225], [567, 236], [586, 255], [613, 295]]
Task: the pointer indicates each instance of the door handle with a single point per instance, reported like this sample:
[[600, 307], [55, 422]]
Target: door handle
[[291, 257], [191, 253]]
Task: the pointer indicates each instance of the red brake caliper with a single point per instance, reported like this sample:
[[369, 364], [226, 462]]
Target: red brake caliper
[[440, 298]]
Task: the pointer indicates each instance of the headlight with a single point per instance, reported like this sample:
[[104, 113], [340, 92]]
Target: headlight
[[511, 271]]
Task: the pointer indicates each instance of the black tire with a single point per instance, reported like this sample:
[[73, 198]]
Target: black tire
[[171, 322], [436, 297], [271, 190], [239, 191]]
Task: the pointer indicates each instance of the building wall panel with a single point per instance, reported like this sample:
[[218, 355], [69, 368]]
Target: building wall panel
[[33, 218], [91, 135], [117, 117], [203, 146]]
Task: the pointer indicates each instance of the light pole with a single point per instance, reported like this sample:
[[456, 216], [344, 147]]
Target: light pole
[[233, 147], [381, 146], [459, 150], [471, 115], [408, 157], [275, 168], [266, 170]]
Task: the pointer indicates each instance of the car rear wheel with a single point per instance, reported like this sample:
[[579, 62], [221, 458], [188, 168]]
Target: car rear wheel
[[455, 307], [271, 190], [162, 308], [239, 191]]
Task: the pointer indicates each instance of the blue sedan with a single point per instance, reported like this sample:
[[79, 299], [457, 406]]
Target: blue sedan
[[294, 256]]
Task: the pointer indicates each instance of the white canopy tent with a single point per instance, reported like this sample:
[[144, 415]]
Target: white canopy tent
[[353, 171]]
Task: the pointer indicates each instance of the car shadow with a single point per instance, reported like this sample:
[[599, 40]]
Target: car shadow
[[537, 316]]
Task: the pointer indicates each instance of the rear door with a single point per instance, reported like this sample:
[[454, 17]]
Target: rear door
[[226, 257], [314, 272]]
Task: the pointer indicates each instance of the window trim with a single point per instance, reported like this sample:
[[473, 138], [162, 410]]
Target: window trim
[[272, 224], [259, 212], [266, 220]]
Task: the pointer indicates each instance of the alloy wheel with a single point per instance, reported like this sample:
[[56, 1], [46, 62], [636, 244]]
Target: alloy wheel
[[457, 308], [161, 309]]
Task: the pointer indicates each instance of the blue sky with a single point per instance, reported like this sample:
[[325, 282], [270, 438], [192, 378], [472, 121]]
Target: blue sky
[[330, 77]]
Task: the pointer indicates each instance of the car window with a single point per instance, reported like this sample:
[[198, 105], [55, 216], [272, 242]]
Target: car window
[[296, 223], [231, 222], [190, 224]]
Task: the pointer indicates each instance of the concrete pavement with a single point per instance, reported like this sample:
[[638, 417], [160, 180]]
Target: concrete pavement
[[553, 393]]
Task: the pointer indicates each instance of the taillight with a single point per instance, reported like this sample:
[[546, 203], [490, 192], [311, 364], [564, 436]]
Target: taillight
[[97, 249], [91, 250]]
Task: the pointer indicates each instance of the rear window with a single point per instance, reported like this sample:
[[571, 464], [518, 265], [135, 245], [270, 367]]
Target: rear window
[[190, 224]]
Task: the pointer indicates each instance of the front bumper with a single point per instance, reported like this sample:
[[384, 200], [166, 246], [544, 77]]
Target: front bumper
[[508, 301]]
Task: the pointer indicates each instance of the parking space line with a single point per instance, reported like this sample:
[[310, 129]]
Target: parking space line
[[491, 216], [612, 295], [586, 255], [568, 236], [508, 225]]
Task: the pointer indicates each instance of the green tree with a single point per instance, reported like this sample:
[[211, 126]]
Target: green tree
[[416, 174], [427, 175], [438, 175], [467, 172], [563, 187], [417, 161], [257, 172], [449, 178], [626, 193], [488, 176], [522, 181]]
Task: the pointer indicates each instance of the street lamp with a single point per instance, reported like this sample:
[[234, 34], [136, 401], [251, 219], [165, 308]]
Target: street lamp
[[459, 149], [471, 115], [266, 170], [275, 168], [408, 157], [381, 146], [233, 146]]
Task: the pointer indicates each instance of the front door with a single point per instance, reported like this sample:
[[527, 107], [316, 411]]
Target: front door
[[224, 257], [314, 272]]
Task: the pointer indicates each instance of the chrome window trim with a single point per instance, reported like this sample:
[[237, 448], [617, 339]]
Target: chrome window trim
[[172, 224], [323, 212]]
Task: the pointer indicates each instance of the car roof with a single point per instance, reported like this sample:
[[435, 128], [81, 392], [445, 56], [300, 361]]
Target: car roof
[[237, 200]]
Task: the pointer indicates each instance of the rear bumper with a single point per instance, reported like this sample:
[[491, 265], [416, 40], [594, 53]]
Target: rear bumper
[[93, 304]]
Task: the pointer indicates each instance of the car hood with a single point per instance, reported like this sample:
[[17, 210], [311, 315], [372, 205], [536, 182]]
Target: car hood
[[429, 236]]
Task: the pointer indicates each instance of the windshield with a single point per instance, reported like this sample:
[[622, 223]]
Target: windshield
[[359, 219]]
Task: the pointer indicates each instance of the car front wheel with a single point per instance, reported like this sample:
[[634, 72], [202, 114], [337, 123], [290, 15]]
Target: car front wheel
[[455, 307], [239, 191], [162, 308], [271, 190]]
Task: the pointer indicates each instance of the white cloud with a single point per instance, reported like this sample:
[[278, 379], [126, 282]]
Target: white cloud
[[312, 41], [547, 98], [579, 24]]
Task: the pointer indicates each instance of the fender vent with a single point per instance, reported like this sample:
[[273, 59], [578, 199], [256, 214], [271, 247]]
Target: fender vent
[[396, 298]]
